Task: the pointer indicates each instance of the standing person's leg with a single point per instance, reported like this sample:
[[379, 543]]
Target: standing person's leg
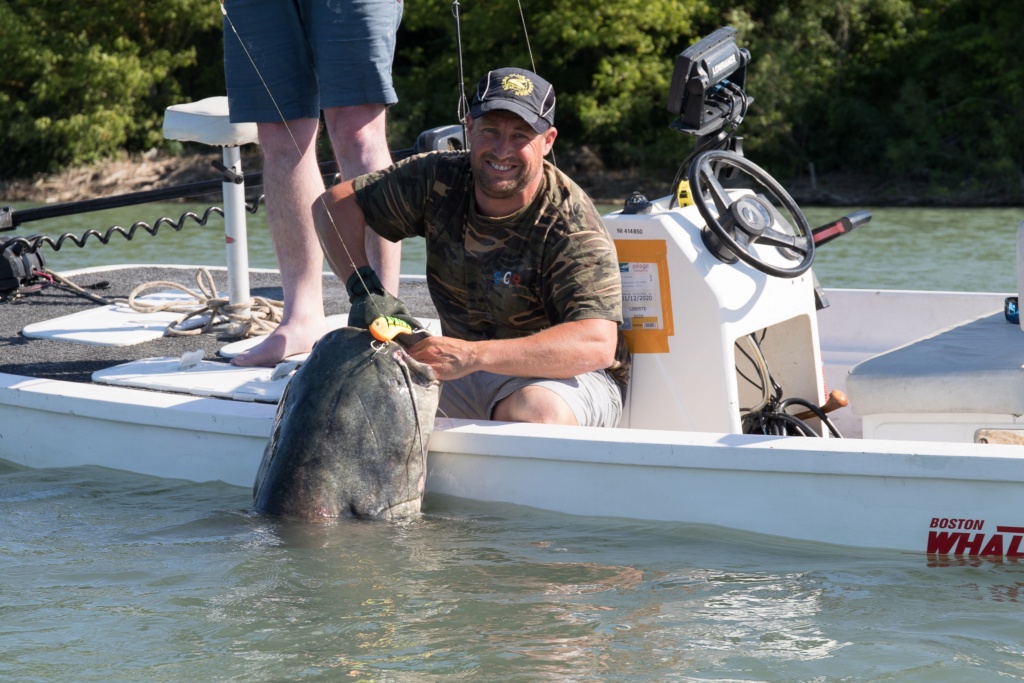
[[271, 79], [292, 182], [354, 53], [360, 144]]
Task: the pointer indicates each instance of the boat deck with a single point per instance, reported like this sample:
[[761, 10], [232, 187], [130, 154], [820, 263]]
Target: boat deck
[[74, 362]]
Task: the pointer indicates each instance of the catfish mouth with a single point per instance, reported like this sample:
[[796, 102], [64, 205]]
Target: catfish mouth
[[421, 371], [392, 513], [403, 510]]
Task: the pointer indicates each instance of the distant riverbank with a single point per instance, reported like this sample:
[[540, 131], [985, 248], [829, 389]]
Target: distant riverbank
[[606, 186]]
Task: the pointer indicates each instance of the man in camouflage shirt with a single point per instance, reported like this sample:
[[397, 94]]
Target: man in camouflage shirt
[[520, 266]]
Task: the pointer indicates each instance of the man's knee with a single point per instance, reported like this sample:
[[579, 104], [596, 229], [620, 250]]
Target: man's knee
[[534, 404]]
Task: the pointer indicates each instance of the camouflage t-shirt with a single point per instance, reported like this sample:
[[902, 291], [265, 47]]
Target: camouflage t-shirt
[[500, 278]]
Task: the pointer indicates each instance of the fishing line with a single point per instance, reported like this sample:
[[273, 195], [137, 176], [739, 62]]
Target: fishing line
[[323, 203], [533, 64], [463, 109], [526, 36], [463, 106], [298, 149]]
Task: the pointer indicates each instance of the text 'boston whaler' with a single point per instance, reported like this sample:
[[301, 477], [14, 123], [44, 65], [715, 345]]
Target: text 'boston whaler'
[[735, 347]]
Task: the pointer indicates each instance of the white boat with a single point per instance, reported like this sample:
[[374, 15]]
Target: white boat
[[928, 462]]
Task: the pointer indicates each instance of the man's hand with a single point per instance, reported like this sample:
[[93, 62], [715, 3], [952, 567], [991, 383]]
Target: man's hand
[[370, 300], [449, 357]]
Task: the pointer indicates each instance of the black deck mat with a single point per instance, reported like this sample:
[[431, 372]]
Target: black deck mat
[[74, 362]]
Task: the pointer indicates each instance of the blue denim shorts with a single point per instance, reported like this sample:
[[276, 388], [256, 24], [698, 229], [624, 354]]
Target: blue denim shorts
[[595, 398], [309, 54]]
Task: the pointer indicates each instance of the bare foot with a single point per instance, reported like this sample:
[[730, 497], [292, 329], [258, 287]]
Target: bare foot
[[287, 340]]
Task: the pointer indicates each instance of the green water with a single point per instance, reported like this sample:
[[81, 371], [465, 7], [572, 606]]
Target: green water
[[901, 248], [194, 244], [110, 577], [930, 249]]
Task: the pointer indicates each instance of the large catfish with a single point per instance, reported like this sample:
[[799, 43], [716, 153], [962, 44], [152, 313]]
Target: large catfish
[[350, 435]]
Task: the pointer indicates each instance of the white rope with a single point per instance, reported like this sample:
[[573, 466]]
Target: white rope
[[252, 318]]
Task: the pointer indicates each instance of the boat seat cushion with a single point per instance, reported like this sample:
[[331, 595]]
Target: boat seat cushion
[[974, 367], [206, 121]]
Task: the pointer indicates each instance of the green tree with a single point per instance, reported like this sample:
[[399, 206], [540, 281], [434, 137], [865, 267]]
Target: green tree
[[927, 91], [610, 62], [956, 120], [82, 81], [806, 55]]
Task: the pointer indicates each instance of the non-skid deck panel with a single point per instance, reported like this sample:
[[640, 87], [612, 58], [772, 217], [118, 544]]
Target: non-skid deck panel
[[202, 378], [114, 325]]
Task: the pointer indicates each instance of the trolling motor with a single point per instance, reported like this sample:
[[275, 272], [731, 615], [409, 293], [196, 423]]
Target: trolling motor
[[440, 139]]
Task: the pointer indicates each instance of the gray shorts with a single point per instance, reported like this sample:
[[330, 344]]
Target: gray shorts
[[595, 398], [311, 54]]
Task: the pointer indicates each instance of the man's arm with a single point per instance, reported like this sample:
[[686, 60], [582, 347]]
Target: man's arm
[[340, 226], [565, 350]]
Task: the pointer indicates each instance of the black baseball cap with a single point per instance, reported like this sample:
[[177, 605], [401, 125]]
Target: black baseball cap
[[519, 91]]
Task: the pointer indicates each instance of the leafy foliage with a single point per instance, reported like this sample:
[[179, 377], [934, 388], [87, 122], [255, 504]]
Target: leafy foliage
[[957, 117], [82, 81], [927, 90], [610, 62]]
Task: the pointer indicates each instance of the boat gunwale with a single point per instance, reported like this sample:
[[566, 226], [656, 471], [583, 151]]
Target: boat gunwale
[[597, 446]]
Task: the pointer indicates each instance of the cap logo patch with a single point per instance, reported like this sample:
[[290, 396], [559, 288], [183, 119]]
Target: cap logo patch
[[518, 84]]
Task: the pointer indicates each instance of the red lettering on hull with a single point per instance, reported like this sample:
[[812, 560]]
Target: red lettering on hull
[[956, 523], [976, 545], [942, 542]]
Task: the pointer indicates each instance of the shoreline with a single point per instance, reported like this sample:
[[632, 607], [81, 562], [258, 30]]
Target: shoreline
[[154, 170]]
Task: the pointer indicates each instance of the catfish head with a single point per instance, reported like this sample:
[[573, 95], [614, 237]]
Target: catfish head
[[350, 435]]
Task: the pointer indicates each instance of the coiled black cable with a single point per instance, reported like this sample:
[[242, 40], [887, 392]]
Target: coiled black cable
[[31, 244], [770, 417]]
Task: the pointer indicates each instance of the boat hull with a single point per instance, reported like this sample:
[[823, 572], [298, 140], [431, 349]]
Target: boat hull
[[924, 497], [939, 498], [51, 423]]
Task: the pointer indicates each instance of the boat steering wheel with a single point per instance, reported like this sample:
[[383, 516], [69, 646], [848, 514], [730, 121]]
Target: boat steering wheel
[[738, 225]]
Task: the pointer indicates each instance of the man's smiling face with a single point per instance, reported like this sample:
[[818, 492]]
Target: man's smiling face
[[507, 157]]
